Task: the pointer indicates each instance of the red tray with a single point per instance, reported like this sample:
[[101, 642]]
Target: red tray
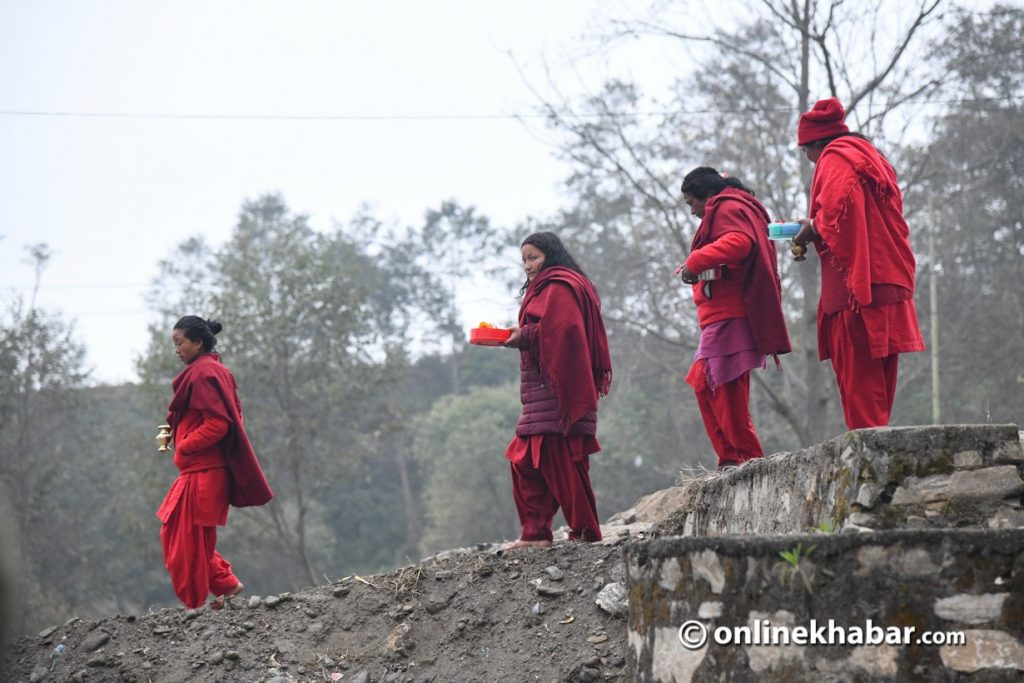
[[489, 336]]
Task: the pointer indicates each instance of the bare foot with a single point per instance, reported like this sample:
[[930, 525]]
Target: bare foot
[[221, 600], [515, 545]]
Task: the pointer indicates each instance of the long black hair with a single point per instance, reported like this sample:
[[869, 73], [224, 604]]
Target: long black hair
[[555, 254], [198, 330], [705, 182]]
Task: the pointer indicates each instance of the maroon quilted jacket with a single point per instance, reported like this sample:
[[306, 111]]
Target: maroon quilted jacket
[[539, 414]]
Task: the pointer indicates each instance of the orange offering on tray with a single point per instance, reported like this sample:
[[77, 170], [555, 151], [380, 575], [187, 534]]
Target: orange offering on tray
[[486, 334]]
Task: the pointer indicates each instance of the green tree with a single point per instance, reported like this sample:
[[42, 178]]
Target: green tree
[[454, 251], [639, 444], [308, 319], [966, 190], [42, 366], [460, 445]]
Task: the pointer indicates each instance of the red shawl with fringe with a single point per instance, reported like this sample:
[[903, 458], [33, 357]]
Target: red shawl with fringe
[[857, 209], [572, 347], [733, 210], [207, 385]]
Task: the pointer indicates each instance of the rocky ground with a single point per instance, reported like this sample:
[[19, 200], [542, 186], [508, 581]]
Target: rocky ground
[[476, 614]]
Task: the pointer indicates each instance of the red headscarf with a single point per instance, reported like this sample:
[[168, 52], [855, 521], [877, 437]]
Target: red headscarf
[[572, 347], [206, 385], [733, 210]]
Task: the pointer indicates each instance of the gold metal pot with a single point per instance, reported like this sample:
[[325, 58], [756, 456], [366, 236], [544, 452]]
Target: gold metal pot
[[163, 438]]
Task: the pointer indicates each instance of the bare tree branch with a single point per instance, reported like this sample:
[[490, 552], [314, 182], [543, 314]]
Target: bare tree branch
[[900, 101], [647, 329], [730, 46], [788, 20], [666, 206], [584, 133], [826, 57], [925, 11], [782, 408]]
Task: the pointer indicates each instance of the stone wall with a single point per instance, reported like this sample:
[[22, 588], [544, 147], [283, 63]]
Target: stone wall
[[922, 477], [950, 582]]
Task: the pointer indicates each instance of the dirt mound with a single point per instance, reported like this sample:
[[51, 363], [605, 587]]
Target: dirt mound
[[464, 615]]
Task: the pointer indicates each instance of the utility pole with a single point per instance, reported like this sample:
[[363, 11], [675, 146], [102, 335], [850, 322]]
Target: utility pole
[[933, 296]]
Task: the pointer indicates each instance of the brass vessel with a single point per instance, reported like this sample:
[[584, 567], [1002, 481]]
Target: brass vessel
[[163, 438], [799, 252]]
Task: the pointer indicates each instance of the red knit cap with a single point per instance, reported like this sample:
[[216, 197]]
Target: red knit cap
[[824, 120]]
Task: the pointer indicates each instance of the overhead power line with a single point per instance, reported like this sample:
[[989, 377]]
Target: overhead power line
[[433, 117], [86, 286], [315, 117]]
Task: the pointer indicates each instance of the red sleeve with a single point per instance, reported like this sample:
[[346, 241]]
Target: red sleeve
[[729, 248], [212, 429], [526, 335]]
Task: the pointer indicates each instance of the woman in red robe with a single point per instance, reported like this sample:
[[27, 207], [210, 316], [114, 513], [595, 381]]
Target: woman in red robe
[[564, 368], [739, 308], [866, 314], [217, 467]]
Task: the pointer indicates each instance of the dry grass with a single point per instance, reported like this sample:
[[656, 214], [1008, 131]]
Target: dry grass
[[689, 475], [406, 581]]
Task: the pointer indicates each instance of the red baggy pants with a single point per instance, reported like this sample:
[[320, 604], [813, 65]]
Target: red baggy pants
[[192, 508], [560, 480], [196, 568], [867, 386], [726, 414]]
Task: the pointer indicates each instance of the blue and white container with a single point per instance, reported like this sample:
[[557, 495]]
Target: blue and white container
[[782, 231]]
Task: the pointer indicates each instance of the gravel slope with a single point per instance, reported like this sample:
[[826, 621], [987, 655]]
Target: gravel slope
[[462, 615]]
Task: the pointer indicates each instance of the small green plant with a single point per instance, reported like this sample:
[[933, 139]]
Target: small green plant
[[791, 565], [827, 526]]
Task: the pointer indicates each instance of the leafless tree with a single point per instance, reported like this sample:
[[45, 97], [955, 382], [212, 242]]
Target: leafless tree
[[753, 74]]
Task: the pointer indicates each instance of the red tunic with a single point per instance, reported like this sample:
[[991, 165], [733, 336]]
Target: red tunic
[[207, 386], [754, 281], [857, 210], [721, 299], [199, 456]]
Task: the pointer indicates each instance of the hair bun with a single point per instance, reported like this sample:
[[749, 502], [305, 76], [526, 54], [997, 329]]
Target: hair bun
[[215, 326]]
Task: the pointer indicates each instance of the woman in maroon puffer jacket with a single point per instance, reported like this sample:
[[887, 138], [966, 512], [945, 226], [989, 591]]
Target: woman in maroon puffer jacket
[[564, 367]]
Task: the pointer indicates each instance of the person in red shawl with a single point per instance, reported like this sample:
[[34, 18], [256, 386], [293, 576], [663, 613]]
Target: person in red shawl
[[866, 314], [739, 310], [564, 368], [217, 467]]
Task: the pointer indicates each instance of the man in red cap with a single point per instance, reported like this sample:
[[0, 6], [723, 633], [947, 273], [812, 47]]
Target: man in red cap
[[866, 314]]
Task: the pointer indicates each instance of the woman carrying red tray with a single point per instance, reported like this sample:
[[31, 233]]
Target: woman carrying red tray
[[564, 368]]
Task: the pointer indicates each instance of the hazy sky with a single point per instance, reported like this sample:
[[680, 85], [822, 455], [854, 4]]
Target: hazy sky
[[111, 195]]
